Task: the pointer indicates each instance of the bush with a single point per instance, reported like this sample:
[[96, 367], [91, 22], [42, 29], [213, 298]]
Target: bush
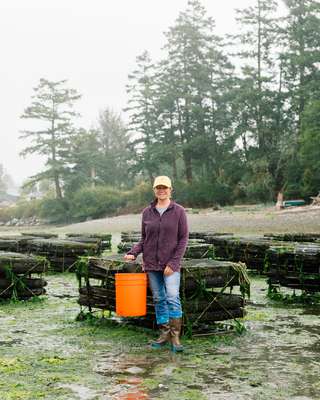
[[7, 213], [258, 183], [55, 210], [96, 202], [23, 209], [203, 193], [139, 197]]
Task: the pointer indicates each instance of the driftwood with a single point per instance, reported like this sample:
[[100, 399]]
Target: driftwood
[[315, 200]]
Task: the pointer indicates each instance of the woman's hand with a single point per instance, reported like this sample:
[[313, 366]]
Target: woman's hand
[[167, 271], [129, 257]]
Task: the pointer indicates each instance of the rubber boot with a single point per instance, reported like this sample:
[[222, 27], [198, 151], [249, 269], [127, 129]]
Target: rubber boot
[[175, 329], [164, 337]]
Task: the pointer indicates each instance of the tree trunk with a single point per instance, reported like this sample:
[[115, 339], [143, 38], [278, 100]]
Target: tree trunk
[[260, 134], [93, 176], [173, 143], [174, 169], [301, 77], [188, 166], [54, 161], [57, 186]]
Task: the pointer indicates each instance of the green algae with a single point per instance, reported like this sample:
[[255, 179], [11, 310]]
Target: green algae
[[53, 353], [190, 395], [11, 365]]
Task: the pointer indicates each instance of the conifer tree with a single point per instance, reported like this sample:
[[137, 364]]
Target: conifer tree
[[52, 111], [142, 114]]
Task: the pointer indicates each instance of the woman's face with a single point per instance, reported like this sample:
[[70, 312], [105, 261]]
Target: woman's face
[[162, 192]]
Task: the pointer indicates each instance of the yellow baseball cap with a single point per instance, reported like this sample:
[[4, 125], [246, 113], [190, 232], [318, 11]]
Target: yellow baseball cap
[[162, 180]]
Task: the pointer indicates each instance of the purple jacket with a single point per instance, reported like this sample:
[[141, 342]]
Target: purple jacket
[[163, 239]]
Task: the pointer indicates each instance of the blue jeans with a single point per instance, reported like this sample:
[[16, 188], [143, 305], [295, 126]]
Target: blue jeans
[[166, 296]]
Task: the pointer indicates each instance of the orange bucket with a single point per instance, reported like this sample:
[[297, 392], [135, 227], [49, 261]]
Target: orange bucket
[[131, 294]]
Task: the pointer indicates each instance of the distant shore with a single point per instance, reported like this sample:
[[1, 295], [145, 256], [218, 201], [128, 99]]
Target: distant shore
[[244, 220]]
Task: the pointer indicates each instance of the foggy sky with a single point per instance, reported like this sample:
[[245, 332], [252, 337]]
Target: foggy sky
[[93, 44]]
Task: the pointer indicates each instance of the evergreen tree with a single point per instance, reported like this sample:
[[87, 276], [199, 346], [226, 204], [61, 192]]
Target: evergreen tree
[[258, 33], [52, 109], [84, 161], [186, 46], [167, 138], [3, 184], [199, 77], [302, 56], [219, 138], [309, 149], [262, 123], [142, 115], [113, 139]]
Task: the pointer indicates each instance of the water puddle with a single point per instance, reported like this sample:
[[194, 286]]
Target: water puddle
[[110, 365]]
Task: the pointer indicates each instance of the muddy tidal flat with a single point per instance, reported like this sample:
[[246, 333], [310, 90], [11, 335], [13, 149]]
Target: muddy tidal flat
[[45, 353]]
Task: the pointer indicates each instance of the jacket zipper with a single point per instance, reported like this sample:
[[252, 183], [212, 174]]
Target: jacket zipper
[[159, 226]]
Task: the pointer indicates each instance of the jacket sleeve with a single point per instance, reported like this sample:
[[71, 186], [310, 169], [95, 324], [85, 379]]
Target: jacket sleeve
[[138, 247], [183, 236]]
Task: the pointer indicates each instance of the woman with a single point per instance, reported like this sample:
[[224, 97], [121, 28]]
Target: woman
[[164, 237]]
